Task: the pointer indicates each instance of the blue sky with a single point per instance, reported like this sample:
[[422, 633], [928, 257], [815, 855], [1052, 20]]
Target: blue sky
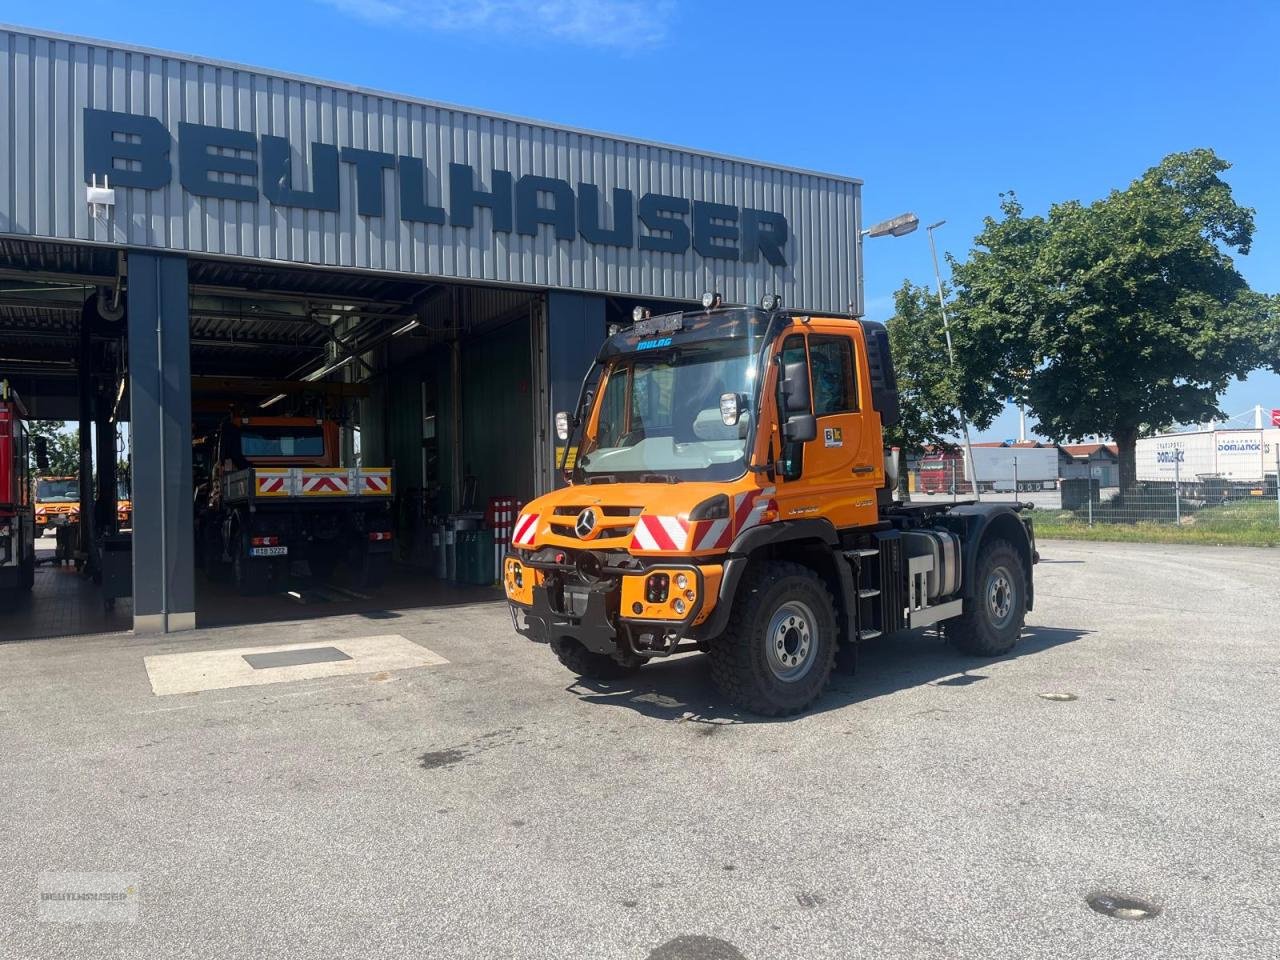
[[938, 107]]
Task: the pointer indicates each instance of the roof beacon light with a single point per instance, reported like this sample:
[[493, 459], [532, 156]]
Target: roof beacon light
[[640, 313], [770, 302], [710, 300]]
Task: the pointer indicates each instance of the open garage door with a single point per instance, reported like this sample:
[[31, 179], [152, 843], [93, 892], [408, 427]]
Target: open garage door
[[64, 359], [351, 436]]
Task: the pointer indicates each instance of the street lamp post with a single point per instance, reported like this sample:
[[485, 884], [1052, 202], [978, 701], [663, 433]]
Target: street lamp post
[[898, 226], [951, 357]]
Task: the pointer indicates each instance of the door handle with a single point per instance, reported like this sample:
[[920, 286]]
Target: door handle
[[864, 468]]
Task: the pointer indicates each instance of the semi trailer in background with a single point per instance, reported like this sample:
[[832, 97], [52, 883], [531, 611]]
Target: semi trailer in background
[[998, 469], [1211, 463]]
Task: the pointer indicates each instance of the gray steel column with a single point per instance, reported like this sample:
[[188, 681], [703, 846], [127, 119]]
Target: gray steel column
[[160, 424]]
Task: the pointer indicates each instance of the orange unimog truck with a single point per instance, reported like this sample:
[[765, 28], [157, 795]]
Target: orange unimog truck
[[275, 496], [731, 493], [57, 502]]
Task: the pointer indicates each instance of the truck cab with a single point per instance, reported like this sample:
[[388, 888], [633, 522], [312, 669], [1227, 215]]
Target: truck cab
[[57, 502], [730, 492]]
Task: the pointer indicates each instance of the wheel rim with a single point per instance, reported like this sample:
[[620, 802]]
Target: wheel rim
[[1000, 596], [791, 642]]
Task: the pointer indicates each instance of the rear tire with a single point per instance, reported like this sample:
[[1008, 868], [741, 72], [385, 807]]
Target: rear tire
[[775, 656], [595, 666], [999, 606]]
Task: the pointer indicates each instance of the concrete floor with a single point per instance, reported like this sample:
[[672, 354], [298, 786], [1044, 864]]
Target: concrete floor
[[63, 603], [932, 806]]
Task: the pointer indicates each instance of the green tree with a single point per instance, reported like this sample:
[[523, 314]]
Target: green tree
[[1119, 317], [64, 447], [931, 392]]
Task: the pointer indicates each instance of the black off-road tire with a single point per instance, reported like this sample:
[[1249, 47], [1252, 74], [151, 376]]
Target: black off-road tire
[[982, 631], [741, 656], [595, 666]]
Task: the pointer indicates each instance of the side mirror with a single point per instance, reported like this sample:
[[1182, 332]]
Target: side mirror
[[800, 428], [562, 424], [732, 407], [41, 445], [795, 387]]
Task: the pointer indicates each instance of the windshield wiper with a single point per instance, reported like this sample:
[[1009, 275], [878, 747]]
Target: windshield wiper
[[658, 478], [601, 478]]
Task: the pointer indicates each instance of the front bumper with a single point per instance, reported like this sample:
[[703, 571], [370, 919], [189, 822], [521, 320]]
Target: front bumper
[[564, 605]]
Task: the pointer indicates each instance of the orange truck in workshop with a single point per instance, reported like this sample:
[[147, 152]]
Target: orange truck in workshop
[[275, 502], [57, 502], [731, 493]]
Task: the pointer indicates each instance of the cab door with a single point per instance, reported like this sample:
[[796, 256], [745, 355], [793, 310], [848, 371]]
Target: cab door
[[836, 474]]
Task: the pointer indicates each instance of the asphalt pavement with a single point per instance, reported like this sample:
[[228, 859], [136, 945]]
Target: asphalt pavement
[[931, 806]]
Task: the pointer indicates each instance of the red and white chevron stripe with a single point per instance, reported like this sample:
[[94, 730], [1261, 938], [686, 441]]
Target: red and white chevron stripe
[[713, 535], [270, 485], [748, 507], [377, 484], [660, 533], [525, 530], [324, 483]]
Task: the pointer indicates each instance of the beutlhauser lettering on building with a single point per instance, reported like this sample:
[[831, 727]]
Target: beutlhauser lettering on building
[[138, 151]]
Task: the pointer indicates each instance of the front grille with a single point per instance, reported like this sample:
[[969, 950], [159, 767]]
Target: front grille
[[610, 511], [608, 533]]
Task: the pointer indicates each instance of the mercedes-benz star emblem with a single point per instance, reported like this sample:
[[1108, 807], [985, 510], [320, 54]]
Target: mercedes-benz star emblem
[[586, 524]]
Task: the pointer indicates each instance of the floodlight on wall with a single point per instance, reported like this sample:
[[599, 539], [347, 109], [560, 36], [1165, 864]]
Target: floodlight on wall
[[101, 198]]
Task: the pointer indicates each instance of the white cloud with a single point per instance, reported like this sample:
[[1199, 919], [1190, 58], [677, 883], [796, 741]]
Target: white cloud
[[597, 23]]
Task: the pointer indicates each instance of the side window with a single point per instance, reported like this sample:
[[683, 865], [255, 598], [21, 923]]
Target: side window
[[613, 409], [792, 460], [835, 387]]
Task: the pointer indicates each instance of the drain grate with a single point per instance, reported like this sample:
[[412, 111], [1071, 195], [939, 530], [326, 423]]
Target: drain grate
[[1121, 907], [293, 658]]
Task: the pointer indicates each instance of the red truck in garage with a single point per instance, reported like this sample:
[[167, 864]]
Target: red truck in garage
[[17, 515]]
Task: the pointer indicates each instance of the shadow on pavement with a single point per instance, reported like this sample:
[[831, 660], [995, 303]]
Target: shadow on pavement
[[681, 687]]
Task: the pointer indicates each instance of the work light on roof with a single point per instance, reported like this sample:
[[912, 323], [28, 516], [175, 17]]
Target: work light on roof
[[710, 300], [639, 313], [770, 302]]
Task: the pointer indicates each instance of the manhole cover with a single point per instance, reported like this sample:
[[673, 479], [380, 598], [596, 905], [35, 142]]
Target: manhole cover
[[293, 658], [1121, 907], [1061, 697]]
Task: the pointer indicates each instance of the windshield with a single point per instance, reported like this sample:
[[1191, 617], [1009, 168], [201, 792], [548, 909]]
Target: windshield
[[660, 415], [281, 442], [58, 491]]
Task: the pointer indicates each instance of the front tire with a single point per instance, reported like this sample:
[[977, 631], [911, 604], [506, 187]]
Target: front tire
[[594, 666], [998, 610], [776, 654]]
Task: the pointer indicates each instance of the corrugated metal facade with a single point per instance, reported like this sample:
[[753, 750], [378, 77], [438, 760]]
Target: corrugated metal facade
[[50, 80]]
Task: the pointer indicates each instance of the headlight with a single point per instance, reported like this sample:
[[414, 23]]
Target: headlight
[[682, 581]]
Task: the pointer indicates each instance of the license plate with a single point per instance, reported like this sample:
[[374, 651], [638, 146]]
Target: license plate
[[268, 551]]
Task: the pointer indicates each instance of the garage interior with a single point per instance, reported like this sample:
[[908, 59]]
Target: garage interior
[[451, 385]]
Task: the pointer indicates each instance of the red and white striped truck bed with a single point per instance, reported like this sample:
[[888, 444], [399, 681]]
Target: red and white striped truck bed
[[307, 483]]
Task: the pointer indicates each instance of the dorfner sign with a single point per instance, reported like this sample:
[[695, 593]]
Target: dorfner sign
[[134, 151]]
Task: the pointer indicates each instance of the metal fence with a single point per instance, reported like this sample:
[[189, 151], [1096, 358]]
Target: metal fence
[[1187, 504]]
